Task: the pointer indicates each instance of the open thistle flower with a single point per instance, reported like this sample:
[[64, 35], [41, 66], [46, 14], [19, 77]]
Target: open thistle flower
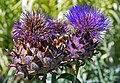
[[31, 27], [89, 24], [88, 20], [39, 44]]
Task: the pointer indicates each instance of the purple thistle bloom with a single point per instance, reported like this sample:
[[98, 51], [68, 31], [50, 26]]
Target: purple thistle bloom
[[34, 27], [31, 28], [89, 24], [38, 43], [88, 19]]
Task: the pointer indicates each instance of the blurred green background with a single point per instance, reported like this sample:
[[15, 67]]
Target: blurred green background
[[105, 67]]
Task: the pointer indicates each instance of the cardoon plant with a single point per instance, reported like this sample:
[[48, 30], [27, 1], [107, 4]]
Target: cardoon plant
[[43, 44]]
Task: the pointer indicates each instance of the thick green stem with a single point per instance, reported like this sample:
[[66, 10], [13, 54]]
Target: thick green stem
[[44, 79], [53, 79], [77, 68]]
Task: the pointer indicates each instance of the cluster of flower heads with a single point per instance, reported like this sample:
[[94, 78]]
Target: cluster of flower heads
[[43, 44]]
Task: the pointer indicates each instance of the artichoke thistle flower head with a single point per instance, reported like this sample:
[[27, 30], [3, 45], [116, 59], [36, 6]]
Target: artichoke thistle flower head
[[39, 43], [90, 24], [88, 19]]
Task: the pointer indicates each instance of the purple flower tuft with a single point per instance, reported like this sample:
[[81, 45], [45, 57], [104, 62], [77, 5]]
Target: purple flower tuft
[[88, 19]]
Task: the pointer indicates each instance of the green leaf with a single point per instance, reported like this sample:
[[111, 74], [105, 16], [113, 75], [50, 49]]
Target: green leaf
[[69, 77]]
